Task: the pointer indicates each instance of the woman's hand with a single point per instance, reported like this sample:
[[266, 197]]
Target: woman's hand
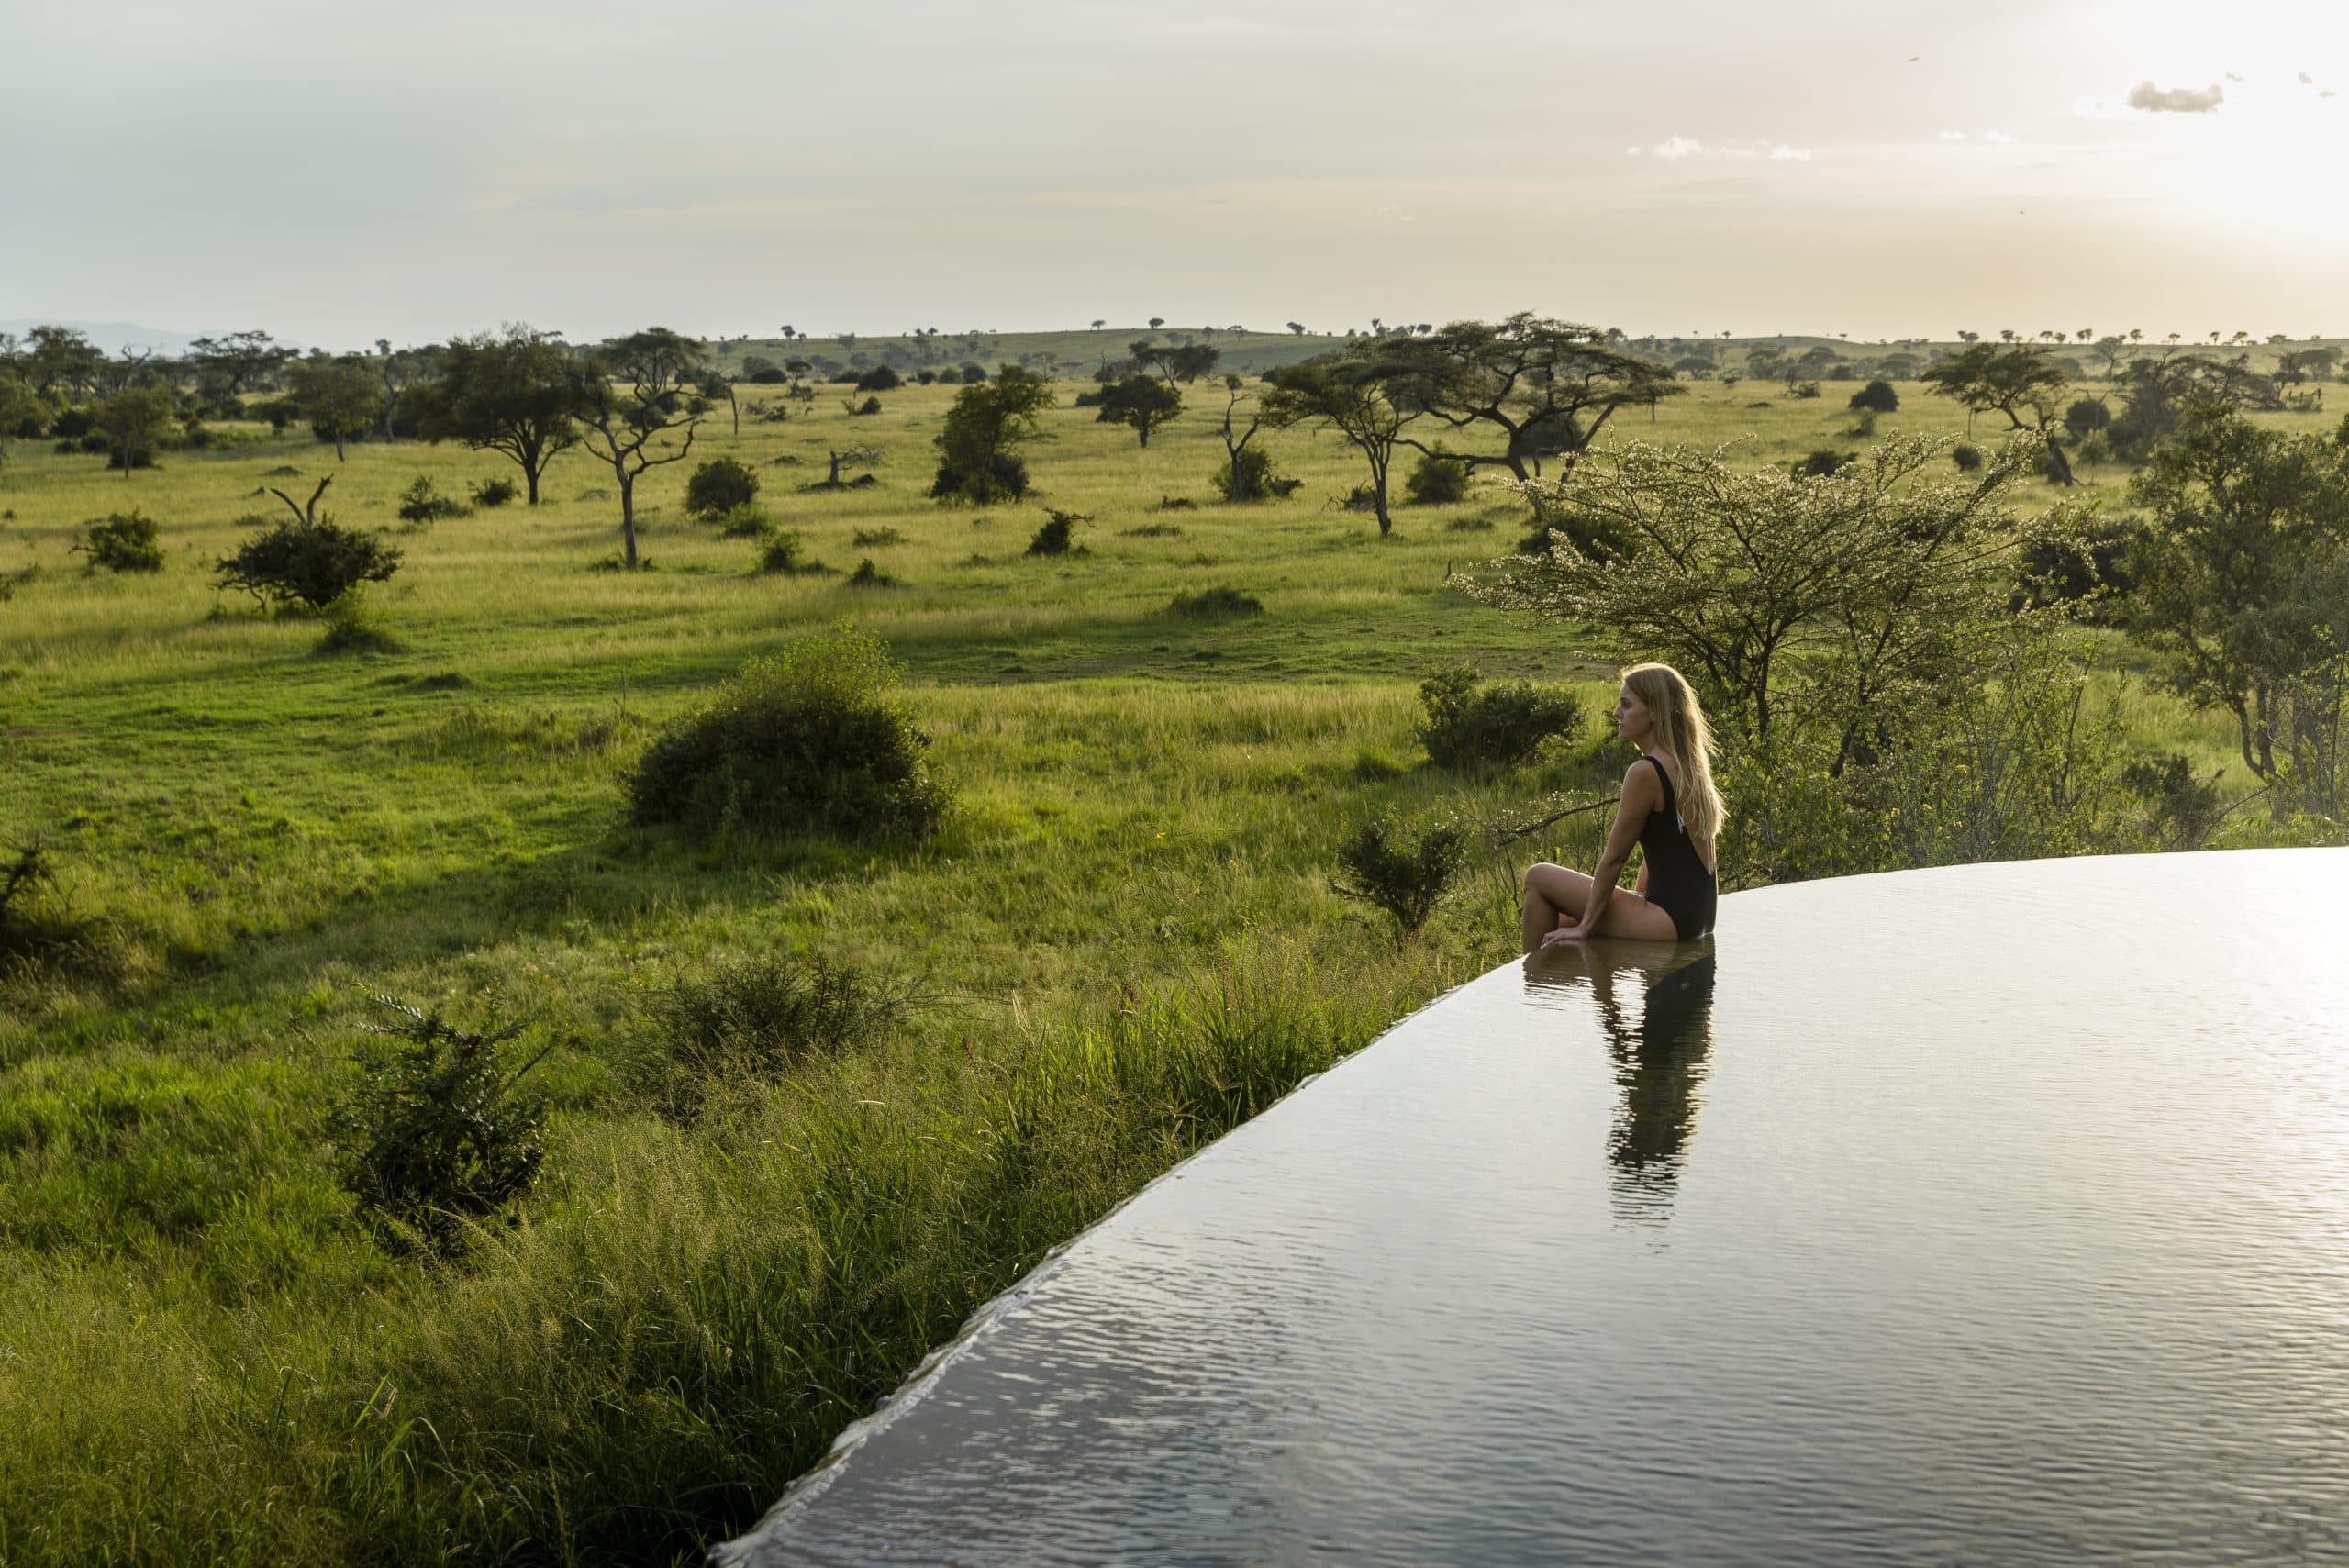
[[1562, 934]]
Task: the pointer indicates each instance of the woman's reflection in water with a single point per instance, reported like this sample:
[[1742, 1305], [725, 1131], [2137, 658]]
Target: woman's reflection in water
[[1659, 1059]]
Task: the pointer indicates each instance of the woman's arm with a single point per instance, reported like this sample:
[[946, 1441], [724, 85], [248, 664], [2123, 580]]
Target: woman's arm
[[1640, 797]]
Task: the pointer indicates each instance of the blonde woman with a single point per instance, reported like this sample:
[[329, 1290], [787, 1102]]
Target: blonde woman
[[1670, 809]]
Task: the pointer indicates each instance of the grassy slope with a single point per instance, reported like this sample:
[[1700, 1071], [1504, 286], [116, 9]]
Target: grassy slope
[[266, 833]]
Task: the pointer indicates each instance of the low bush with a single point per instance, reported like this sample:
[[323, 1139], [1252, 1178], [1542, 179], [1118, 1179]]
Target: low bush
[[1824, 463], [122, 542], [880, 378], [422, 505], [1438, 479], [813, 740], [1215, 604], [1152, 530], [868, 575], [1058, 532], [1966, 456], [1249, 476], [719, 486], [874, 538], [743, 521], [1875, 397], [1473, 727], [432, 1137], [2086, 417], [1404, 874], [871, 405], [312, 563], [493, 492], [753, 1020], [352, 627], [1469, 526], [2182, 808], [787, 554]]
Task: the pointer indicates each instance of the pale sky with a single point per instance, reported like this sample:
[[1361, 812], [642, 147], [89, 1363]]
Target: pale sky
[[336, 173]]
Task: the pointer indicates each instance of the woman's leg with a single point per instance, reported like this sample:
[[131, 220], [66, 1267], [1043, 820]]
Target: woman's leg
[[1556, 893]]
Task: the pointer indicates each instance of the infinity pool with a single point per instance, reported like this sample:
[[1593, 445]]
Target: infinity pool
[[1992, 1215]]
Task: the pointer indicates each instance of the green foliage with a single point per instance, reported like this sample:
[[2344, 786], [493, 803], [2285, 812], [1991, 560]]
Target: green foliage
[[1057, 534], [811, 740], [2241, 579], [978, 449], [753, 1020], [1403, 872], [874, 538], [422, 505], [868, 575], [1142, 402], [1473, 727], [1437, 478], [352, 627], [787, 554], [518, 394], [1249, 476], [1215, 604], [122, 542], [2182, 807], [2086, 417], [432, 1136], [130, 425], [312, 563], [719, 486], [1824, 463], [492, 493], [1966, 457], [743, 521], [1877, 397], [867, 408], [880, 378], [342, 398]]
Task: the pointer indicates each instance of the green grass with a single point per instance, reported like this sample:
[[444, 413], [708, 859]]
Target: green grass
[[1127, 935]]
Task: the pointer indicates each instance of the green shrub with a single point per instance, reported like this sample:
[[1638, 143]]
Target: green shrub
[[1824, 463], [2184, 808], [874, 538], [1404, 874], [422, 504], [785, 554], [492, 493], [813, 740], [871, 405], [880, 378], [1967, 457], [1875, 397], [743, 521], [433, 1138], [754, 1020], [313, 564], [1438, 479], [719, 486], [122, 542], [2086, 417], [1471, 727], [352, 627], [1215, 604], [868, 575], [1058, 532], [1249, 476]]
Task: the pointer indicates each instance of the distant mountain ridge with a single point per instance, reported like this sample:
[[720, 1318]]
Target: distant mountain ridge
[[112, 336]]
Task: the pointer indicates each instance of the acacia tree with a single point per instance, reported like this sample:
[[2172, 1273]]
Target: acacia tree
[[1177, 363], [18, 409], [1140, 402], [1347, 394], [516, 393], [633, 394], [2017, 379], [236, 362], [1545, 387], [2242, 581], [132, 421], [339, 397], [55, 359], [978, 450]]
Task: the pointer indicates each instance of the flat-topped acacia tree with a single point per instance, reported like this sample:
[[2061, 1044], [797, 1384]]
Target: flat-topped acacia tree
[[516, 393], [1544, 387], [635, 394]]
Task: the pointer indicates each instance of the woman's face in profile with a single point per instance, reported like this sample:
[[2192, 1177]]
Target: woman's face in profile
[[1632, 719]]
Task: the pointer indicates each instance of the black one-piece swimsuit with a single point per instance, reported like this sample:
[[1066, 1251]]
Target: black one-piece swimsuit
[[1679, 882]]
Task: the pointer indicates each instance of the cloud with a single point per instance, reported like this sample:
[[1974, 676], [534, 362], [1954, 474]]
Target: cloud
[[1953, 136], [1782, 153], [1996, 138], [1678, 147], [2156, 100]]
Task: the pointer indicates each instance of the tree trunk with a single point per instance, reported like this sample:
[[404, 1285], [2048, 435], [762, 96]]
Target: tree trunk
[[1378, 499], [338, 446], [628, 515], [2059, 467], [531, 481]]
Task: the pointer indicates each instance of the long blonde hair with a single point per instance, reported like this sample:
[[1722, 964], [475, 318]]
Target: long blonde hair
[[1681, 729]]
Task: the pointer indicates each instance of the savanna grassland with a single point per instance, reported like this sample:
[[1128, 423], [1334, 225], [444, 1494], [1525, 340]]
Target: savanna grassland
[[1124, 940]]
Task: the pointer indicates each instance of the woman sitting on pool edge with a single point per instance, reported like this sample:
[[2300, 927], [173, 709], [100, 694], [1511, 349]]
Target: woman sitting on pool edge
[[1669, 808]]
